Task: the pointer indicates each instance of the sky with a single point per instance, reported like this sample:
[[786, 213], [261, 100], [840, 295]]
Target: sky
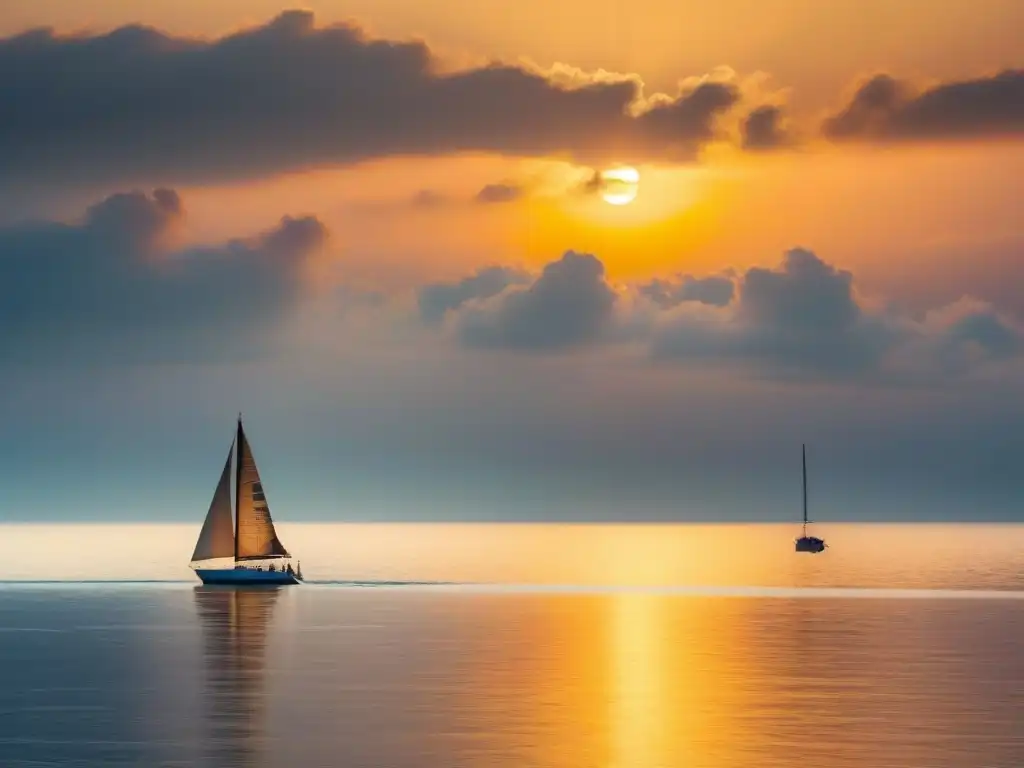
[[384, 232]]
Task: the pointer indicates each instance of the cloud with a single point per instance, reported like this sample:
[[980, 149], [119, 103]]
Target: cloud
[[887, 109], [568, 305], [763, 129], [499, 193], [690, 117], [438, 299], [800, 319], [108, 286], [969, 331], [716, 290], [801, 316], [139, 106], [804, 317]]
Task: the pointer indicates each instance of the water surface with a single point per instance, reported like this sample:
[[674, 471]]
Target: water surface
[[741, 555], [562, 647]]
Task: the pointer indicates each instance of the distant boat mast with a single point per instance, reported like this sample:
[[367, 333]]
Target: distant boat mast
[[803, 456]]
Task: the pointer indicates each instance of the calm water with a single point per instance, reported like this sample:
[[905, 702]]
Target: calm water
[[604, 647]]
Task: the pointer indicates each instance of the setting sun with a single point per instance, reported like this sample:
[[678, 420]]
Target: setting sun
[[619, 186]]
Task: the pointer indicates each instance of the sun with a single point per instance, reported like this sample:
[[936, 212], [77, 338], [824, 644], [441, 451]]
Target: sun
[[619, 185]]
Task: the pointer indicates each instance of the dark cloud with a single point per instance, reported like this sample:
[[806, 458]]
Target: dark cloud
[[679, 122], [803, 293], [763, 130], [968, 331], [107, 287], [801, 316], [137, 105], [985, 329], [804, 317], [438, 299], [499, 193], [716, 290], [886, 109], [568, 305]]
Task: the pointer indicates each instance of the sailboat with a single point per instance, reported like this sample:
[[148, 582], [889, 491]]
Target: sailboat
[[807, 543], [249, 540]]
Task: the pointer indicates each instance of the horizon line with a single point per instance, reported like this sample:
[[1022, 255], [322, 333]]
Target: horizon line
[[561, 523]]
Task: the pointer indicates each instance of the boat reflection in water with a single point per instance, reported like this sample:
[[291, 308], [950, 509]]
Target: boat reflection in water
[[234, 622]]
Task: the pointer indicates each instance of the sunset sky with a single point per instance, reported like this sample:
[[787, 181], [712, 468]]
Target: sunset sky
[[381, 230]]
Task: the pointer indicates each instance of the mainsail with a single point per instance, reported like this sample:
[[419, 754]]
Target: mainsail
[[217, 537], [255, 536]]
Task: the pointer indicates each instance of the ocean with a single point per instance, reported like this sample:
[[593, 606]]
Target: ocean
[[555, 646]]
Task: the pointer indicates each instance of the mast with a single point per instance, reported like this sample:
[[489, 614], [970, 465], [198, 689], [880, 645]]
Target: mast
[[803, 456], [238, 476]]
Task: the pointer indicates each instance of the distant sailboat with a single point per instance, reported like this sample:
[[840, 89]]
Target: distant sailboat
[[250, 539], [807, 543]]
